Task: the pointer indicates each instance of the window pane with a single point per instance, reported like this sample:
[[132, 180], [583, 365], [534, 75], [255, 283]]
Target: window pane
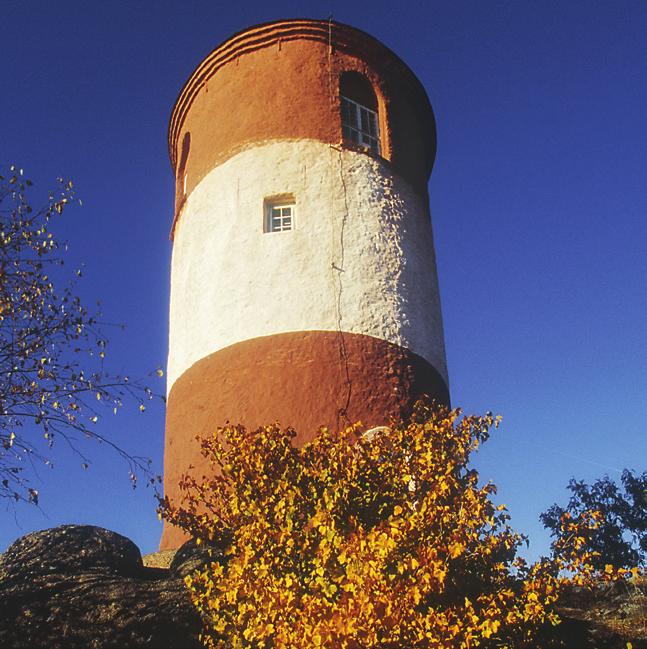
[[372, 124], [365, 120], [345, 112], [349, 112]]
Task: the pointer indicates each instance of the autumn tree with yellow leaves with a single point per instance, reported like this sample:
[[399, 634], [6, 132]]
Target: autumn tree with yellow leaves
[[356, 540]]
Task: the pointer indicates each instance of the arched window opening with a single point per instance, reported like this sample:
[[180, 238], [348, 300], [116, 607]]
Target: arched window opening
[[181, 170], [359, 111]]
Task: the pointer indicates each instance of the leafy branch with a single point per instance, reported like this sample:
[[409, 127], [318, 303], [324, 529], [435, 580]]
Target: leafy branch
[[53, 381]]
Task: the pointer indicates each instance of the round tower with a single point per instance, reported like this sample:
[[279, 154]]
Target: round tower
[[303, 280]]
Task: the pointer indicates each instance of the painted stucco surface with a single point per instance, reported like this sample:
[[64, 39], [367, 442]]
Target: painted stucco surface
[[281, 81], [359, 260], [304, 379]]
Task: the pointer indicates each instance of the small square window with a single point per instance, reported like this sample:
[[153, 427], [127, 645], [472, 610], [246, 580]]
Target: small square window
[[279, 216]]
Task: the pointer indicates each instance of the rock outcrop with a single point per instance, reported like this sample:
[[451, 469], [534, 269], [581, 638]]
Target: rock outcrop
[[86, 587]]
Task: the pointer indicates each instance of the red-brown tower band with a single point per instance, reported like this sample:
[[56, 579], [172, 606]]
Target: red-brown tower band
[[303, 283]]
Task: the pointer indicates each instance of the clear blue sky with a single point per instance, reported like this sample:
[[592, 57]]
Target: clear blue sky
[[538, 196]]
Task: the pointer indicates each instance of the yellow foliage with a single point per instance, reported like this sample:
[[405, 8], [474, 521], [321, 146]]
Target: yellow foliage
[[350, 542]]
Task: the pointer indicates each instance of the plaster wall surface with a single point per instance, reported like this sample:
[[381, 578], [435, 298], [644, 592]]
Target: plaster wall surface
[[360, 259], [281, 81]]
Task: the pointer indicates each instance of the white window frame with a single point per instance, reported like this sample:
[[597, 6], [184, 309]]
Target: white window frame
[[284, 222], [368, 137]]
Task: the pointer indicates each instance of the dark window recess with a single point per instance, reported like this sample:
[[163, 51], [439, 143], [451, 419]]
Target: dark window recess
[[181, 170], [359, 116]]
